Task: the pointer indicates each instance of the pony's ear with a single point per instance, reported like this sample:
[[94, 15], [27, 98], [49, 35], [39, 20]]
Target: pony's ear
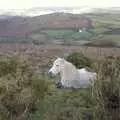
[[62, 60], [56, 57]]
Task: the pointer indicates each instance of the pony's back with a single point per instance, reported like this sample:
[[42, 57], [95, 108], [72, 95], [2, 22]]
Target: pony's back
[[84, 78]]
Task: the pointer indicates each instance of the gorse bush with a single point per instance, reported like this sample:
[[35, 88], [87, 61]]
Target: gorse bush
[[19, 88], [106, 90], [79, 60]]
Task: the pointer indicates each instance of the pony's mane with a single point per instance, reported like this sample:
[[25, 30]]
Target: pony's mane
[[69, 71], [70, 63]]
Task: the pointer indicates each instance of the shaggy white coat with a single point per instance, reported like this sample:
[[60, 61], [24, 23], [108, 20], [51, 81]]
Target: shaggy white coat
[[70, 76]]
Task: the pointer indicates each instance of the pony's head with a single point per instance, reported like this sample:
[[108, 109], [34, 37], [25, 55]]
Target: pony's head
[[57, 66]]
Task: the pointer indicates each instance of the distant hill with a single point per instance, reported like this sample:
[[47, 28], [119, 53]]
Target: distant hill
[[86, 26], [22, 26]]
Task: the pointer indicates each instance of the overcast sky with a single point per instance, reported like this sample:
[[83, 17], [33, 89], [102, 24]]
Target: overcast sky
[[25, 4]]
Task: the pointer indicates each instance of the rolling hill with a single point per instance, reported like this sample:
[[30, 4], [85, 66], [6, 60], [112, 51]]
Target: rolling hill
[[61, 26], [22, 26]]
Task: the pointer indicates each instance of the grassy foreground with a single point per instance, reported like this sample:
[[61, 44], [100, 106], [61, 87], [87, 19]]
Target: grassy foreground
[[26, 94], [64, 104]]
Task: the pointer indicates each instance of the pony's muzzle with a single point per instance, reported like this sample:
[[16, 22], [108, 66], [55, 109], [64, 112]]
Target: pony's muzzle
[[50, 73]]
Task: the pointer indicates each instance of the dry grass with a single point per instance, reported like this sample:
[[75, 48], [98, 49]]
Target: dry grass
[[106, 90], [19, 88]]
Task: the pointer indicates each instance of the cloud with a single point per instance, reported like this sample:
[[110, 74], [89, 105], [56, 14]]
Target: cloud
[[25, 4]]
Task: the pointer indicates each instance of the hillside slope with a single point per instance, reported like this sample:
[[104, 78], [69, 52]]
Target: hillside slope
[[89, 26], [23, 26]]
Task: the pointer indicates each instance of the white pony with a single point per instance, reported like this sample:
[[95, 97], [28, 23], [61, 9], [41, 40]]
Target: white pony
[[70, 76]]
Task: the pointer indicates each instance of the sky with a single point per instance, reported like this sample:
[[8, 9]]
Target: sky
[[26, 4]]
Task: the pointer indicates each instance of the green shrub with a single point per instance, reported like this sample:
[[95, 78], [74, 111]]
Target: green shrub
[[79, 60], [19, 88], [106, 90]]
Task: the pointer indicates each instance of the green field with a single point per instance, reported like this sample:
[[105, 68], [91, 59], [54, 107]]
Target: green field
[[70, 36]]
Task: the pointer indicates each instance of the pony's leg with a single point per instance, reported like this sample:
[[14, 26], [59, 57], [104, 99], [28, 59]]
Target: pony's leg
[[66, 83]]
